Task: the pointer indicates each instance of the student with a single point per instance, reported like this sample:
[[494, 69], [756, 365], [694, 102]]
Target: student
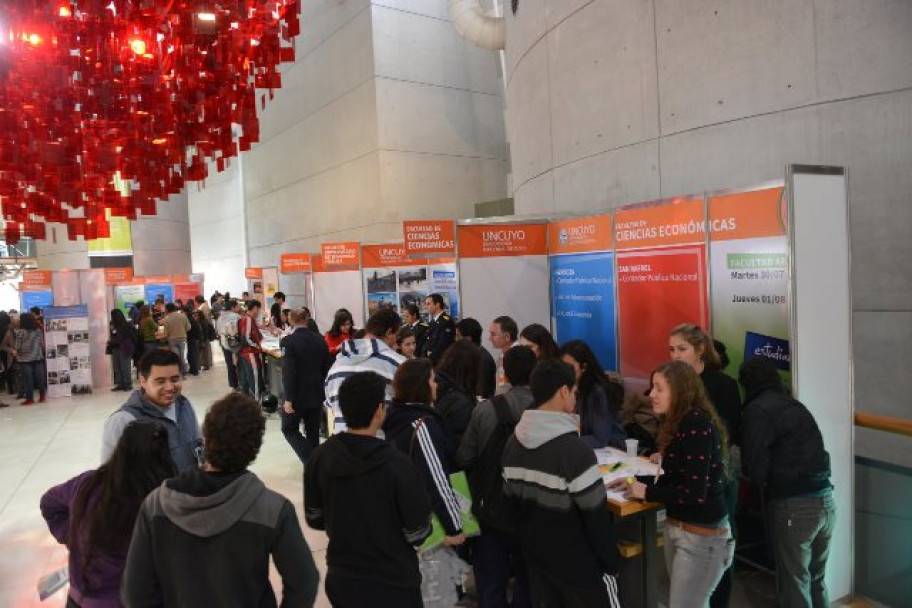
[[205, 538], [93, 513], [497, 554], [250, 366], [29, 350], [470, 329], [275, 311], [540, 340], [148, 329], [414, 427], [340, 331], [176, 325], [457, 379], [782, 452], [694, 457], [411, 318], [598, 402], [405, 342], [370, 499], [553, 481], [690, 344], [122, 340]]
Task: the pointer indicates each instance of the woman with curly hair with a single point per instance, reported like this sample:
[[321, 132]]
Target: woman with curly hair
[[693, 451]]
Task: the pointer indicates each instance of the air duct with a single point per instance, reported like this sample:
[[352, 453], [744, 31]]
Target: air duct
[[479, 27]]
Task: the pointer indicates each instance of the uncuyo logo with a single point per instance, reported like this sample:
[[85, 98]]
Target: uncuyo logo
[[562, 236]]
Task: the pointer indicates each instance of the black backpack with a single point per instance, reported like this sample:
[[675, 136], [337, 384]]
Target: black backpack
[[485, 477]]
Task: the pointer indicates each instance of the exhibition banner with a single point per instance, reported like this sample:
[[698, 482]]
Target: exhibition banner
[[291, 263], [126, 296], [42, 298], [36, 278], [66, 338], [662, 280], [582, 285], [253, 273], [749, 266], [270, 283], [186, 292], [341, 256], [502, 240], [113, 276], [161, 279], [429, 237], [444, 279], [392, 278]]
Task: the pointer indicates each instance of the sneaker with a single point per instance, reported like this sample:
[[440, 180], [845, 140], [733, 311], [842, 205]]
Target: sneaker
[[43, 399], [28, 402]]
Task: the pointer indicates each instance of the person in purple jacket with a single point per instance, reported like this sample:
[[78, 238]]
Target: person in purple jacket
[[93, 513]]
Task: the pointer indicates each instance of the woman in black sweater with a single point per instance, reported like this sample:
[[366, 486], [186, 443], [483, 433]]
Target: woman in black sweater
[[690, 344], [694, 458]]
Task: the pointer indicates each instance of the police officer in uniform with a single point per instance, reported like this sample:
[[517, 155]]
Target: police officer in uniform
[[441, 329]]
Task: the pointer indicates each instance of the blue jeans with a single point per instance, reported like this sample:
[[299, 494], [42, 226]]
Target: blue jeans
[[180, 349], [34, 376], [497, 558], [695, 564], [800, 529]]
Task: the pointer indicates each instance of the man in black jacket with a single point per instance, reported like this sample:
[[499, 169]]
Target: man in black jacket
[[370, 499], [305, 361], [205, 537], [441, 329], [552, 478], [782, 452]]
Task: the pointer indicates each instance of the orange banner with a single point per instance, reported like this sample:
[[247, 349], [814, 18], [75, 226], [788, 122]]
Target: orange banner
[[679, 222], [385, 256], [580, 235], [114, 276], [341, 256], [748, 215], [317, 262], [423, 237], [503, 240], [156, 280], [294, 262], [253, 273], [36, 278]]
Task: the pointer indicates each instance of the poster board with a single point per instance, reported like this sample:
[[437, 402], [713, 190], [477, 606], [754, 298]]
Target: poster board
[[393, 278], [126, 296], [582, 284], [295, 279], [662, 280], [503, 270], [42, 298], [69, 362], [335, 289]]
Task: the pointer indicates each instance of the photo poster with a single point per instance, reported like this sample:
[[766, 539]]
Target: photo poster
[[66, 339], [662, 280], [503, 269], [749, 261], [582, 285], [126, 297], [395, 280], [270, 283], [156, 289]]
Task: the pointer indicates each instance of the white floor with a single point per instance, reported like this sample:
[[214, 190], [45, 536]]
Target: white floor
[[43, 445]]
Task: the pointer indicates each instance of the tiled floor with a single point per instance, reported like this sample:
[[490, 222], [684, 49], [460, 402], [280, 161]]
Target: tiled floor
[[43, 445]]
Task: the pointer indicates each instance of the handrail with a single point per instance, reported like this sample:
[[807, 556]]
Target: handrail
[[884, 423]]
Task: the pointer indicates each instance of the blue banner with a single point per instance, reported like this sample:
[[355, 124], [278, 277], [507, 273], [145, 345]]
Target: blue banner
[[153, 291], [582, 302], [776, 350], [65, 312], [41, 299]]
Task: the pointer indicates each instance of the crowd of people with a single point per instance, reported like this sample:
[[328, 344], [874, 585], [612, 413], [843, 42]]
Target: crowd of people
[[383, 417]]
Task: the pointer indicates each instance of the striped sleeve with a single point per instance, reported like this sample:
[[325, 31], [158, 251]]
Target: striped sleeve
[[443, 499]]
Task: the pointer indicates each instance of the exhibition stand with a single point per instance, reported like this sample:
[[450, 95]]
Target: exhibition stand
[[338, 283]]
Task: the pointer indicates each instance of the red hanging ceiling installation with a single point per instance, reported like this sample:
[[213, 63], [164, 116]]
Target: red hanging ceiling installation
[[144, 90]]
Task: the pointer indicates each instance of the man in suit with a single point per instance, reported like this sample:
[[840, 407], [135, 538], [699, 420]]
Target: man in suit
[[304, 365], [441, 331], [411, 318]]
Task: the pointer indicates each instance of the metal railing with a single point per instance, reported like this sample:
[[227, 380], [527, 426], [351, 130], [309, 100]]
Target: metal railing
[[884, 423]]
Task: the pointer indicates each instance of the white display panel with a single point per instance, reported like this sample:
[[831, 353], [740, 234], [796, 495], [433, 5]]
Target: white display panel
[[335, 290], [514, 286], [822, 340]]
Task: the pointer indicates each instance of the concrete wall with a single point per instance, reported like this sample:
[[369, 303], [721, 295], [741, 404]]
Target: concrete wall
[[161, 243], [385, 115], [617, 101]]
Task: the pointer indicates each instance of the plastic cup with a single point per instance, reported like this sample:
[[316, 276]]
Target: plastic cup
[[632, 445]]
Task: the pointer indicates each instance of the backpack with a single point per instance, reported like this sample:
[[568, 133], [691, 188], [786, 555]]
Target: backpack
[[231, 339], [489, 504]]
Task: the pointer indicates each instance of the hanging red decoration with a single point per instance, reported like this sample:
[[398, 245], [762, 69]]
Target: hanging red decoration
[[95, 93]]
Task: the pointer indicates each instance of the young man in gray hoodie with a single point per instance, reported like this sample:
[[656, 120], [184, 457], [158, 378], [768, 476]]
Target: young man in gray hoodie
[[552, 479], [204, 538]]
